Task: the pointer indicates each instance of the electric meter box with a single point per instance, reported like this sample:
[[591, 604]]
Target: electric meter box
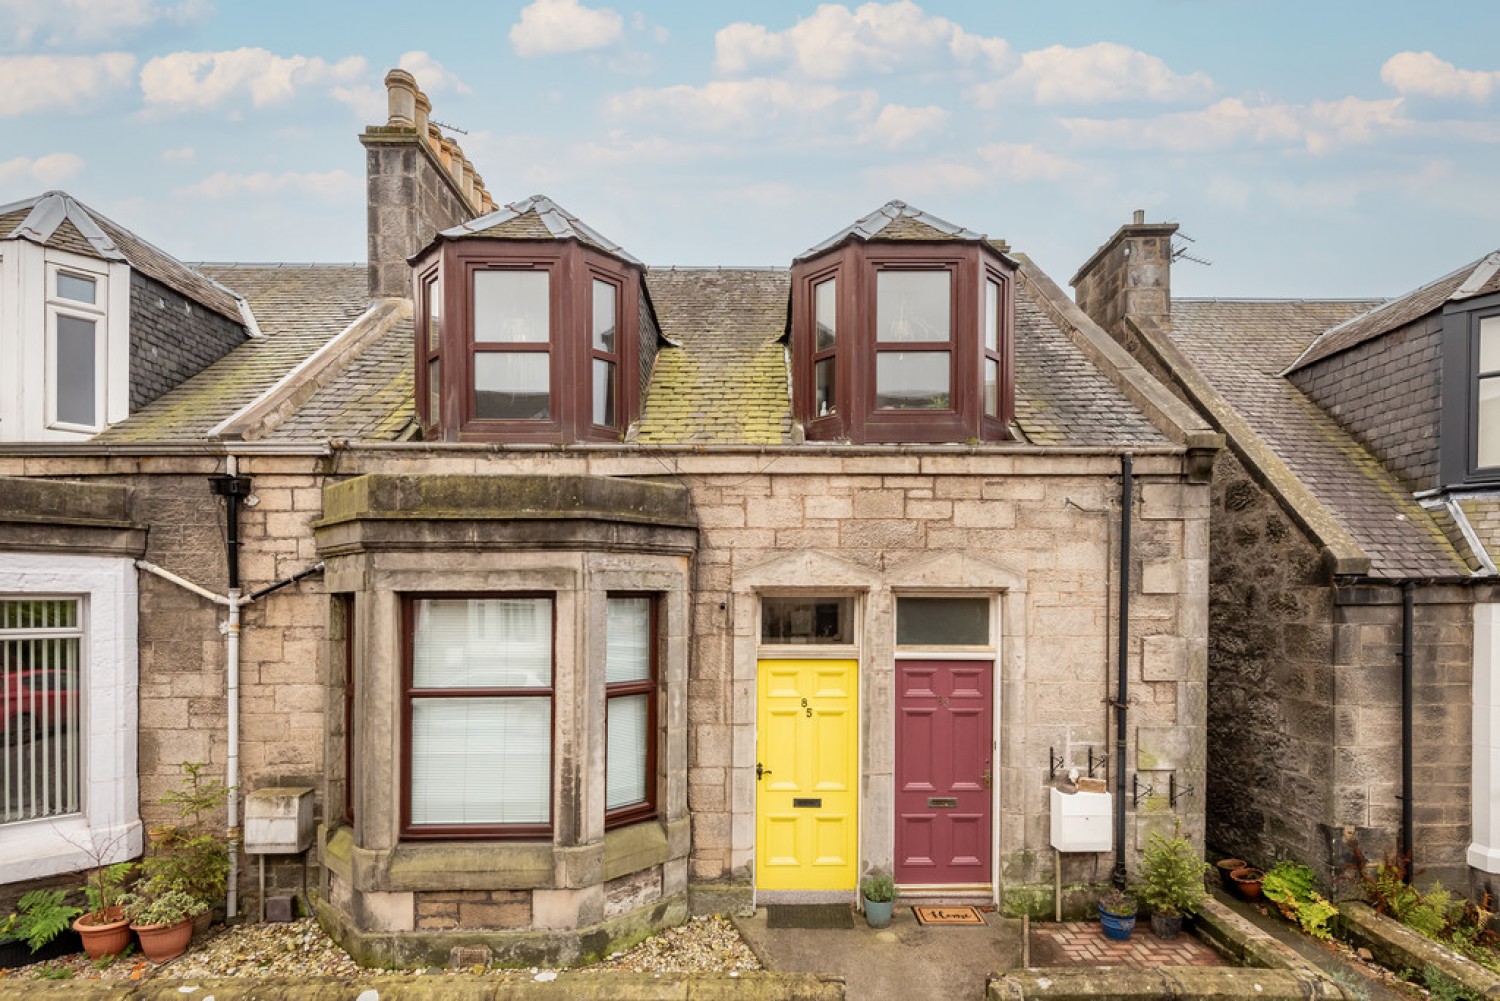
[[1081, 821], [279, 820]]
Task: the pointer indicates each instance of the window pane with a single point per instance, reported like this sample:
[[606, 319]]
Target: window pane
[[806, 620], [40, 712], [992, 387], [911, 305], [511, 385], [825, 400], [604, 392], [825, 314], [434, 314], [1489, 344], [481, 761], [76, 288], [625, 778], [991, 316], [911, 380], [628, 640], [943, 621], [75, 380], [1489, 423], [604, 316], [435, 391], [482, 643], [511, 306]]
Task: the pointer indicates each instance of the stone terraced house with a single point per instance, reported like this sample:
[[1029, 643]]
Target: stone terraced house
[[584, 594], [1354, 644]]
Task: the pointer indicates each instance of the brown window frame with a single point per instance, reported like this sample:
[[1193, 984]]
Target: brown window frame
[[856, 264], [634, 813], [488, 832], [572, 267], [429, 348]]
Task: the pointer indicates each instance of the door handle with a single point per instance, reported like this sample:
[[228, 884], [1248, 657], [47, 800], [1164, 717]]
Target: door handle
[[759, 771], [985, 778]]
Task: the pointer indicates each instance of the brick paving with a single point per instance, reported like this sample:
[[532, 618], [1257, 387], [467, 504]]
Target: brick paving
[[1074, 943]]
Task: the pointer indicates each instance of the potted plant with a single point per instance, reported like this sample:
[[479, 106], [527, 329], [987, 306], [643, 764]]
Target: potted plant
[[1171, 882], [103, 927], [879, 891], [161, 915], [1247, 882], [1117, 914], [39, 928], [191, 855], [1225, 866]]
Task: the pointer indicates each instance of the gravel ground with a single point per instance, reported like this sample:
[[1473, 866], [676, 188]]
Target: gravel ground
[[301, 949]]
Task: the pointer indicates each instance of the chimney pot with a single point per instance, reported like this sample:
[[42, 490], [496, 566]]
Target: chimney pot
[[423, 108], [468, 180], [435, 140], [401, 92], [1140, 217]]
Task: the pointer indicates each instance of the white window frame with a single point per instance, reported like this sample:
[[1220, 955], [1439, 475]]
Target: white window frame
[[98, 314], [108, 828], [1484, 783]]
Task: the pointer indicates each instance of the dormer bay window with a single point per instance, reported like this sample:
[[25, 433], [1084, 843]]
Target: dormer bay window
[[901, 331], [534, 339]]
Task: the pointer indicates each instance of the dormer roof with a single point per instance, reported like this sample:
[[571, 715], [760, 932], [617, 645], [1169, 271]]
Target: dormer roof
[[58, 220], [536, 218], [896, 220]]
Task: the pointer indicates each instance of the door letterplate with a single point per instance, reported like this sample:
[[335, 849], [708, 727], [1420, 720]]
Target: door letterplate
[[939, 802], [801, 803]]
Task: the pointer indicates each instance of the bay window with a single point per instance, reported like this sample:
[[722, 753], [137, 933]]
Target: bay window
[[630, 709], [604, 351], [479, 716], [512, 340]]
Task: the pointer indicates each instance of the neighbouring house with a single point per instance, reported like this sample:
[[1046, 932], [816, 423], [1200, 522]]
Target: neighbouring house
[[1354, 660], [586, 593]]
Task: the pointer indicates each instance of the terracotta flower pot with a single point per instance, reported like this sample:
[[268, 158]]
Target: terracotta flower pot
[[160, 943], [1247, 882], [108, 938], [1227, 866]]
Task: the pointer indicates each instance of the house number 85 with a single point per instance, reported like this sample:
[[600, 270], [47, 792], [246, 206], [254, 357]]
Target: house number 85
[[806, 708]]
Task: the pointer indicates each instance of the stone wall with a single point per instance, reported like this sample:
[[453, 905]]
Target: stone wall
[[1130, 275], [411, 199], [1387, 394], [172, 338]]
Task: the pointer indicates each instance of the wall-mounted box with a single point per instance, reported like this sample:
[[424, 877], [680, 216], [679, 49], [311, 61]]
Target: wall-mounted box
[[1082, 821], [279, 820]]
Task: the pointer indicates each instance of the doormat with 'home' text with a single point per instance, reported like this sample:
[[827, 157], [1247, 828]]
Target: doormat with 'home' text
[[948, 915]]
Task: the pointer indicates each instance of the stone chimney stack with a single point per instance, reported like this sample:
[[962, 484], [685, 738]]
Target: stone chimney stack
[[1129, 277], [418, 182]]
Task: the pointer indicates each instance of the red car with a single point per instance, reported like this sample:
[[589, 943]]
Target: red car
[[36, 701]]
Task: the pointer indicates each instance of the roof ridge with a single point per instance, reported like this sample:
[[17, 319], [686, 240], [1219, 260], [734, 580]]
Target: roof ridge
[[868, 226], [559, 222]]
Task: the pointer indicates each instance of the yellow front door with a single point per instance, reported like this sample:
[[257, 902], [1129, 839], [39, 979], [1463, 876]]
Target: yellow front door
[[807, 748]]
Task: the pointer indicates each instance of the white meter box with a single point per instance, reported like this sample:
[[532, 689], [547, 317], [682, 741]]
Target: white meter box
[[1081, 821], [279, 820]]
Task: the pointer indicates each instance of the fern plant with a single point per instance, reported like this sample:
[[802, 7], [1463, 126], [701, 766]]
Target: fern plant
[[40, 917], [1293, 888]]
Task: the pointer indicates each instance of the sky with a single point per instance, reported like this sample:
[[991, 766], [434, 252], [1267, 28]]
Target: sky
[[1310, 149]]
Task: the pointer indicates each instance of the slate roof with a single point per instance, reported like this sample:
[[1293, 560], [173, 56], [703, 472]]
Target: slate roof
[[57, 219], [298, 307], [1242, 347], [370, 400], [1476, 278], [535, 218], [726, 380], [896, 221]]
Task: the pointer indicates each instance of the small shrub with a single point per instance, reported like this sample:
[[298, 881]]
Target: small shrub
[[878, 887], [1171, 876], [55, 973], [1118, 902], [1293, 888], [1443, 987]]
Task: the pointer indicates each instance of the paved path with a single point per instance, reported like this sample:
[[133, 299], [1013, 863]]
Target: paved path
[[906, 961], [1082, 943]]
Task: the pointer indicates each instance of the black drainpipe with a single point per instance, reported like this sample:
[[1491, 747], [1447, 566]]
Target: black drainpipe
[[231, 488], [1122, 684], [1408, 591]]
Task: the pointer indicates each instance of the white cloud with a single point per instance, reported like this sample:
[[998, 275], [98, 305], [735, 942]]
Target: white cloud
[[332, 185], [196, 80], [60, 83], [432, 76], [1425, 75], [1025, 162], [749, 107], [897, 125], [553, 27], [43, 171], [904, 180], [182, 154], [835, 42], [1317, 127], [1092, 74], [84, 23]]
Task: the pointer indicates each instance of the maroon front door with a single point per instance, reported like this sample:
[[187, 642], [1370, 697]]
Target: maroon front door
[[943, 771]]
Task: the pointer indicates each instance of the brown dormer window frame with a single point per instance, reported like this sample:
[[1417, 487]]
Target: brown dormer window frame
[[862, 340], [574, 359]]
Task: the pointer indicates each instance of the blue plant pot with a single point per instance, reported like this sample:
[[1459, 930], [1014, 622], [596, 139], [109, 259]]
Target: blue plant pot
[[878, 912], [1116, 927]]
